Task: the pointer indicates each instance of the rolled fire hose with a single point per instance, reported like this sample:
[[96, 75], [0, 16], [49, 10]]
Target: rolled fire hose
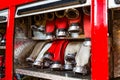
[[59, 55], [70, 53], [19, 33], [39, 26], [74, 27], [50, 16], [50, 26], [60, 14], [20, 28], [74, 22], [87, 27], [42, 26], [56, 54], [37, 20], [63, 51], [35, 51], [86, 10], [42, 22], [39, 60], [82, 57], [19, 46], [72, 13], [24, 52], [37, 33], [49, 55], [61, 24], [50, 51], [57, 51]]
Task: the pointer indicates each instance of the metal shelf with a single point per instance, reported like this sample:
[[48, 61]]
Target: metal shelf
[[41, 7], [2, 47], [53, 75], [69, 38]]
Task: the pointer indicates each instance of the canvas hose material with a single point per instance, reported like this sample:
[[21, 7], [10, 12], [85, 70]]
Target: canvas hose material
[[38, 47], [39, 58]]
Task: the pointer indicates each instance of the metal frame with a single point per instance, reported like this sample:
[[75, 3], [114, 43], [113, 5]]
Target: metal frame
[[99, 38], [88, 3], [9, 45], [11, 5]]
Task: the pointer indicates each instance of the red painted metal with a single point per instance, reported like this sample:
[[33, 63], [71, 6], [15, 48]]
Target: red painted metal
[[87, 27], [8, 3], [9, 45], [11, 4], [99, 40]]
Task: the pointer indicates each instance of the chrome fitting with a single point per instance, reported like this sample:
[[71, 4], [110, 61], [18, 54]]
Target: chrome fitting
[[47, 57], [80, 70], [61, 33], [37, 64], [74, 28], [56, 66], [47, 64], [74, 34], [87, 43], [50, 36], [70, 58], [68, 66], [30, 60]]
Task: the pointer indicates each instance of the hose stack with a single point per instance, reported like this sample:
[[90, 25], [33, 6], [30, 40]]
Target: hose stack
[[74, 21], [50, 26]]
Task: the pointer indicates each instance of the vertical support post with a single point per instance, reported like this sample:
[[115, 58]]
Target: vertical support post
[[99, 40], [9, 45]]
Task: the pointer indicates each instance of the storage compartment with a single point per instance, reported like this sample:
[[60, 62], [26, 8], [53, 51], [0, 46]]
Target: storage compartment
[[54, 45], [52, 39]]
